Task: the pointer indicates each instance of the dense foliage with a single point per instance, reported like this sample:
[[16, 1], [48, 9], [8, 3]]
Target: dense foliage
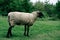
[[7, 6], [58, 9], [15, 5]]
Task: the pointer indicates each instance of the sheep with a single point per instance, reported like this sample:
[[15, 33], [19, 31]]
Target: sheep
[[22, 18]]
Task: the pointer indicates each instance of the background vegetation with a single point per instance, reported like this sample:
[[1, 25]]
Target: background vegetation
[[51, 10]]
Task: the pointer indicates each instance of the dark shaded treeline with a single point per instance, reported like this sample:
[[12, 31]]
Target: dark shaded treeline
[[7, 6]]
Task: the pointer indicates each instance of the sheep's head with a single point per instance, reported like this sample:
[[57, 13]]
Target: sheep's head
[[40, 14]]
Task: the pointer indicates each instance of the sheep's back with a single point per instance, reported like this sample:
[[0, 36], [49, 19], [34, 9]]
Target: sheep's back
[[23, 18]]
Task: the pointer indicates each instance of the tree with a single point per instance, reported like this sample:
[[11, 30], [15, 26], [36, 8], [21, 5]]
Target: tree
[[7, 6], [27, 5], [4, 6], [58, 9], [39, 6], [47, 8]]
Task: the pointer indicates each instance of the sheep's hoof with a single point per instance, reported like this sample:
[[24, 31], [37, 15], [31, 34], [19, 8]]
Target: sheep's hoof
[[7, 36], [27, 35], [24, 34], [10, 34]]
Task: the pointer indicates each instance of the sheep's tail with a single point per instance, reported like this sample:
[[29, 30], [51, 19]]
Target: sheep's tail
[[9, 19]]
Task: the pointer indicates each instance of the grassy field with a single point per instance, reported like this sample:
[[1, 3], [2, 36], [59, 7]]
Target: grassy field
[[41, 30]]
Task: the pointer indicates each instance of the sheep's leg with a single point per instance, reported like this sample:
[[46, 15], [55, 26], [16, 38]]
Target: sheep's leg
[[9, 31], [11, 24], [25, 30]]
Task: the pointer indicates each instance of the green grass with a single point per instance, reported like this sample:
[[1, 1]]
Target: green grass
[[41, 30]]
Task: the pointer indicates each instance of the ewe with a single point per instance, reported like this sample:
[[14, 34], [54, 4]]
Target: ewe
[[22, 18]]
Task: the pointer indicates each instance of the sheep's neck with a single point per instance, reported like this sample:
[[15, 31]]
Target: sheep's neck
[[35, 16]]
